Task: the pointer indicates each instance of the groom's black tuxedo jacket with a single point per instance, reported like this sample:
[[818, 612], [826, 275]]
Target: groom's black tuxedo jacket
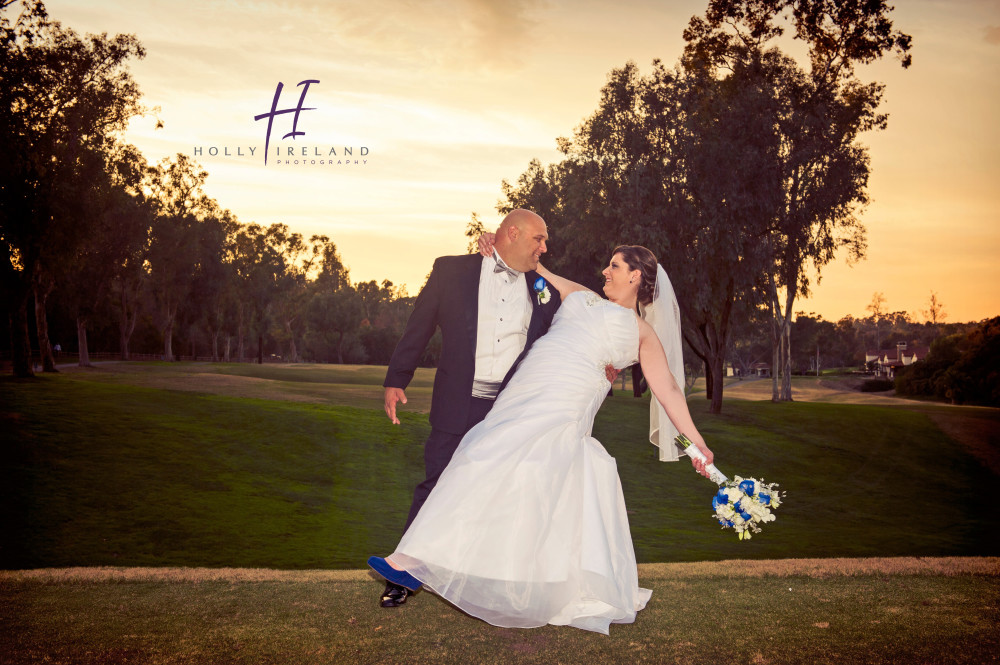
[[450, 300]]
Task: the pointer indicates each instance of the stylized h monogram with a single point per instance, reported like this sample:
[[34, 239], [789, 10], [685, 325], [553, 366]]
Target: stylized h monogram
[[274, 112]]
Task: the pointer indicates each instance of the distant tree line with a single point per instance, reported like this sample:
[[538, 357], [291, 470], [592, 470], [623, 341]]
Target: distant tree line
[[836, 344], [101, 245]]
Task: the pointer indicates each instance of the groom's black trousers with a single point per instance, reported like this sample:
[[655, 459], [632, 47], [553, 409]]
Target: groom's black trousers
[[438, 449]]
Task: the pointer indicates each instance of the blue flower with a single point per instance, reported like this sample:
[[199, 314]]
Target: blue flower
[[765, 499], [747, 487], [745, 516], [716, 503], [539, 285]]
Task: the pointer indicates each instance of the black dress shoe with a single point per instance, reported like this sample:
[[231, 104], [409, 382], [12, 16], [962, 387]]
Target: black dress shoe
[[395, 595]]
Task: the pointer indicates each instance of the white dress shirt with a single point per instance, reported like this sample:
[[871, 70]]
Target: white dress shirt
[[502, 327]]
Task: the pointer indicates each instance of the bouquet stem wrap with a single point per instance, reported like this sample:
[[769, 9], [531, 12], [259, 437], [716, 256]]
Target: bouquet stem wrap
[[694, 452]]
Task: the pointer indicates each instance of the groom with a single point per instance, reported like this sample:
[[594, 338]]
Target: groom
[[489, 315]]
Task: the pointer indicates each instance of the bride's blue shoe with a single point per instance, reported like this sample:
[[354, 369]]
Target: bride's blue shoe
[[400, 577]]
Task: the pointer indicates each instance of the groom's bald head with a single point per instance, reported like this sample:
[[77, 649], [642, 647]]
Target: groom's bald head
[[520, 239]]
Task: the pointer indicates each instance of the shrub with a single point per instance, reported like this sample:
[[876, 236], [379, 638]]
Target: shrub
[[877, 385], [962, 368]]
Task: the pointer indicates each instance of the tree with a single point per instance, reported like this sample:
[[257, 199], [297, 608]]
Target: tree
[[173, 259], [877, 308], [935, 310], [673, 161], [818, 116], [60, 96], [474, 229], [750, 340], [335, 310], [386, 310], [119, 223], [210, 303], [292, 291], [270, 281], [818, 347]]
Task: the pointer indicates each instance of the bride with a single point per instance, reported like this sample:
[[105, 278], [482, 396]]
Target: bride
[[527, 525]]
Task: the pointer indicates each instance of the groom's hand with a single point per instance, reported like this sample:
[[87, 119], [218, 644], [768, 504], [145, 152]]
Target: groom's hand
[[611, 373], [393, 395]]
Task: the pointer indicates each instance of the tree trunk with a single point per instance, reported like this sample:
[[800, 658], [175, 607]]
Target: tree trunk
[[776, 327], [127, 317], [637, 381], [786, 348], [775, 359], [229, 346], [42, 324], [168, 341], [125, 329], [340, 350], [716, 369], [293, 353], [260, 349], [20, 340], [781, 335], [81, 341], [709, 381], [215, 345], [240, 335]]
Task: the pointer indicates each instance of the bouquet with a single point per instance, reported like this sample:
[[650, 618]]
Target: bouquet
[[741, 504]]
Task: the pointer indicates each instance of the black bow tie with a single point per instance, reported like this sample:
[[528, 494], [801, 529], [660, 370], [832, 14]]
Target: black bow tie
[[503, 267]]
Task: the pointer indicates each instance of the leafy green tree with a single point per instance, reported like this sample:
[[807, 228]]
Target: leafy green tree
[[260, 265], [818, 117], [750, 340], [654, 165], [335, 309], [61, 95], [119, 223], [292, 292], [387, 309], [174, 251], [130, 276], [215, 289]]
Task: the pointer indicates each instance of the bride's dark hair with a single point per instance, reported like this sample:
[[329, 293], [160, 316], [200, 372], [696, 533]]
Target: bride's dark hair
[[639, 258]]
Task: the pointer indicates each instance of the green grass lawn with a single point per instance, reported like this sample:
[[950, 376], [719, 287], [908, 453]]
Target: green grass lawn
[[174, 464]]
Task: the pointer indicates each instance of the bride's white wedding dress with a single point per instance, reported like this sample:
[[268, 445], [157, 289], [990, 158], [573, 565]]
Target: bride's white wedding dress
[[527, 525]]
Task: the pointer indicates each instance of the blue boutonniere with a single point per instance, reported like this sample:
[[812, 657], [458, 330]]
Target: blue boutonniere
[[542, 291]]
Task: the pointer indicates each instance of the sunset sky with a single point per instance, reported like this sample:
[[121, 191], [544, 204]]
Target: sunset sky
[[451, 97]]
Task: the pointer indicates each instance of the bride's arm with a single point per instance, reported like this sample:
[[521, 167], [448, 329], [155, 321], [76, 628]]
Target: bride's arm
[[654, 367], [563, 285]]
